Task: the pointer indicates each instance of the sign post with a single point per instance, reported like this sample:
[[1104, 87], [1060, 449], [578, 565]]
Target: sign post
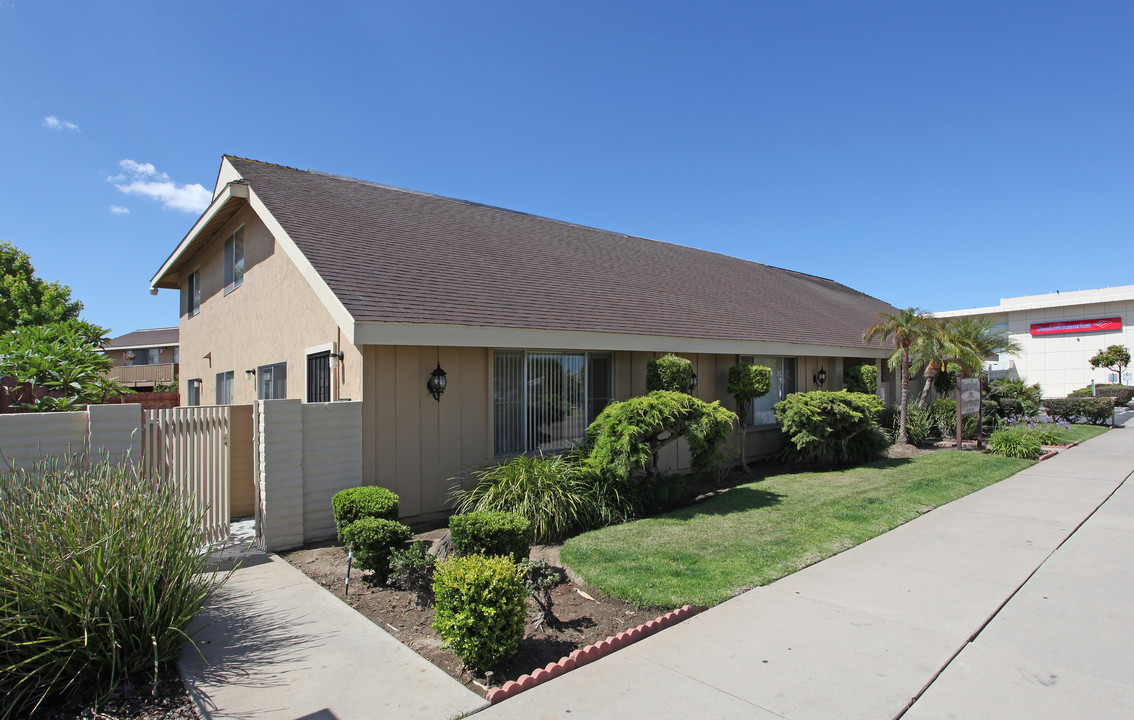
[[968, 402]]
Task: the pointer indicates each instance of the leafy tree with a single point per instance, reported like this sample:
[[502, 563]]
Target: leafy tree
[[1114, 358], [64, 359], [626, 436], [27, 300], [670, 373], [746, 382], [904, 330]]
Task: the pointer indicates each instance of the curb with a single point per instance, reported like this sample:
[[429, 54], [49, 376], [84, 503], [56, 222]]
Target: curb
[[589, 654]]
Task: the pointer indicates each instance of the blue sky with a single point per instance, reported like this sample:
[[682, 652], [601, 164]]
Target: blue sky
[[940, 155]]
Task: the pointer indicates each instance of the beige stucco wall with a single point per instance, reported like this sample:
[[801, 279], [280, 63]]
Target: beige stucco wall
[[273, 317]]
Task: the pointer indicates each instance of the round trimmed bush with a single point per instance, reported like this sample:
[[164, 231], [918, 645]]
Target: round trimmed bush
[[367, 501], [481, 608], [491, 533], [374, 540]]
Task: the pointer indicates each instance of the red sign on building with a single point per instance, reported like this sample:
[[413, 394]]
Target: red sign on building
[[1076, 326]]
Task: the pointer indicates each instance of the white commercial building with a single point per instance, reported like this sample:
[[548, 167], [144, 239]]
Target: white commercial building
[[1058, 334]]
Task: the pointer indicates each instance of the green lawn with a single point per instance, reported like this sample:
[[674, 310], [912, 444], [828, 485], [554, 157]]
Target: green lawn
[[759, 532], [1079, 433]]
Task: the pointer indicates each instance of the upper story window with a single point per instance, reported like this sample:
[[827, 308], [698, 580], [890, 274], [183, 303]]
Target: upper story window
[[234, 261], [193, 293], [546, 400], [145, 356]]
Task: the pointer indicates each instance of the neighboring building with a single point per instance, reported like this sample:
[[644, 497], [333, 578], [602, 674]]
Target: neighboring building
[[1059, 333], [144, 358], [302, 284]]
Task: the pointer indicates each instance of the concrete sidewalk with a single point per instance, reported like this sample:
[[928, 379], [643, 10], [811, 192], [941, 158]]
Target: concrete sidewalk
[[276, 645], [1012, 602]]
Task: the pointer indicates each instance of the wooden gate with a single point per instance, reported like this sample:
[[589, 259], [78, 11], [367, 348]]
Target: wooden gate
[[189, 446]]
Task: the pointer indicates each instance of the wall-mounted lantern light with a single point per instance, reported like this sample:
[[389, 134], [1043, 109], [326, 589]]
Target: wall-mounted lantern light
[[249, 374], [820, 377], [436, 383], [692, 383]]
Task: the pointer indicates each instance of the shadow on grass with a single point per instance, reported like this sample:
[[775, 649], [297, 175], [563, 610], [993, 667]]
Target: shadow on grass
[[738, 499]]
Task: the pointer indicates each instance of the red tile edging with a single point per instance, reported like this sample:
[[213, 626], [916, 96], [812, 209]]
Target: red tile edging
[[589, 654]]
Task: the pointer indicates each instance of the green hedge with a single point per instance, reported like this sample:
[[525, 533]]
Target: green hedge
[[1095, 410], [358, 502], [831, 427], [481, 608], [491, 533], [861, 379], [1122, 394], [670, 373], [374, 541]]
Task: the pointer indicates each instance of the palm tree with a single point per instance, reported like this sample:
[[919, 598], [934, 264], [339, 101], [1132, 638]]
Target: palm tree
[[961, 344], [904, 330]]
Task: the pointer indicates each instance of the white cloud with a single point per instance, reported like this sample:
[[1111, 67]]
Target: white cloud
[[53, 123], [119, 210], [144, 179]]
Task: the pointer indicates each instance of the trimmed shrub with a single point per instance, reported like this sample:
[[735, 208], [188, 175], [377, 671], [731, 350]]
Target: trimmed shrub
[[374, 541], [480, 606], [1122, 394], [367, 501], [412, 569], [943, 412], [101, 573], [554, 492], [624, 437], [670, 373], [1095, 410], [1014, 443], [1029, 396], [862, 379], [491, 533], [831, 427]]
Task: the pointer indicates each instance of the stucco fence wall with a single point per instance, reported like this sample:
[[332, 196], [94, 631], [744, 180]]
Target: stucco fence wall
[[111, 431]]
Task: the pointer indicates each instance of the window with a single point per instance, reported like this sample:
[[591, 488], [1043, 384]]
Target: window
[[193, 293], [234, 261], [546, 400], [271, 381], [225, 388], [176, 355], [319, 377], [193, 392], [783, 383]]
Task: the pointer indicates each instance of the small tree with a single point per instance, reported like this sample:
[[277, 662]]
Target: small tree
[[1115, 358], [670, 373], [63, 358], [746, 382]]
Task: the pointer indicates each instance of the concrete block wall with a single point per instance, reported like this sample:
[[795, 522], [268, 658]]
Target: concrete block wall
[[111, 430], [332, 461], [115, 432], [307, 453]]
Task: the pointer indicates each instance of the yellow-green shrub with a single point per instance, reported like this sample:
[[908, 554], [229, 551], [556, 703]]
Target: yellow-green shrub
[[480, 606]]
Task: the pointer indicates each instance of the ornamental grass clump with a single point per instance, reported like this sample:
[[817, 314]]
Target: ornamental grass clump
[[1015, 443], [101, 572], [480, 606]]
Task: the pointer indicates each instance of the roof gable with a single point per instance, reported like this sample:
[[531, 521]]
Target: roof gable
[[396, 256]]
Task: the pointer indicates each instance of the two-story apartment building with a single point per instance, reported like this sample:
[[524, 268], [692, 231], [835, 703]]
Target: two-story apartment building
[[307, 285]]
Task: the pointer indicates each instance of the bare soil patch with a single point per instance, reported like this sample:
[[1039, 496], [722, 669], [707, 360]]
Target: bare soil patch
[[583, 620]]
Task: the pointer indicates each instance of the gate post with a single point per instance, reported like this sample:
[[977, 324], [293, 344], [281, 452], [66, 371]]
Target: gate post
[[280, 467]]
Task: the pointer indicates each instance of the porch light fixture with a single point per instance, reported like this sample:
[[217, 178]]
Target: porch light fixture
[[249, 374], [820, 377], [692, 383], [436, 383]]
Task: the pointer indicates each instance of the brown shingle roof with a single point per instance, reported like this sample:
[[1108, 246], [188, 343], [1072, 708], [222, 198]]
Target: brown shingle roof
[[154, 337], [395, 255]]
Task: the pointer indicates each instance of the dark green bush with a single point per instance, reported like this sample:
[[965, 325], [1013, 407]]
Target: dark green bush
[[374, 541], [919, 424], [831, 427], [367, 501], [862, 379], [554, 492], [1010, 407], [491, 533], [412, 569], [1015, 443], [624, 437], [1095, 410], [1122, 394], [670, 373], [101, 573], [943, 412], [1029, 396], [480, 606]]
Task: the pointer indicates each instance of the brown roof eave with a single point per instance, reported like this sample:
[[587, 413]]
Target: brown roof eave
[[224, 206]]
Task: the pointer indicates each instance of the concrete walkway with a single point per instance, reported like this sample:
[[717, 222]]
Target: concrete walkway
[[274, 645], [1015, 601]]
